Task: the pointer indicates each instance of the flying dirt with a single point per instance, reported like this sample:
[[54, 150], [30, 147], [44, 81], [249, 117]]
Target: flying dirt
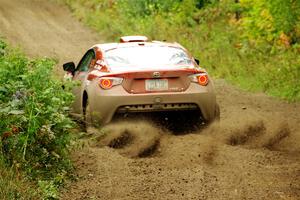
[[252, 153], [238, 158]]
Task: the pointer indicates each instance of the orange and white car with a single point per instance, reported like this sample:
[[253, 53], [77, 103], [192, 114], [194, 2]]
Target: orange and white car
[[140, 76]]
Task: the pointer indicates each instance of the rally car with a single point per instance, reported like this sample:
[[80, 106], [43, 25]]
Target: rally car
[[136, 75]]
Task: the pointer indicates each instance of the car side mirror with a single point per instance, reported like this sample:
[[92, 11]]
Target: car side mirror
[[197, 61], [69, 67]]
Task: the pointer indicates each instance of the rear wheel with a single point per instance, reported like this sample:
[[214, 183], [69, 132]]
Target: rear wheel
[[217, 113], [216, 116], [87, 115]]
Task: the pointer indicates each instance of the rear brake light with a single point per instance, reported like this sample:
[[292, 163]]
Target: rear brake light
[[201, 79], [107, 83]]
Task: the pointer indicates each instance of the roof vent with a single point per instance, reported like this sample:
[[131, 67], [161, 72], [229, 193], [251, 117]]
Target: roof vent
[[136, 38]]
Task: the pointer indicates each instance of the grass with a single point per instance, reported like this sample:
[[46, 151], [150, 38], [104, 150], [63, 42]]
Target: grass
[[15, 186]]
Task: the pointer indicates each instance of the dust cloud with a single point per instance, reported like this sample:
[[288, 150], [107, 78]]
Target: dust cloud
[[132, 138]]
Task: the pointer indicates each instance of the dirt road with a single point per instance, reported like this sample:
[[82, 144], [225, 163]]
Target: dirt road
[[253, 153], [44, 28]]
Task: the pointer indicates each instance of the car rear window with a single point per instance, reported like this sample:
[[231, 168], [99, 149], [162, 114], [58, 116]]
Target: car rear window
[[147, 56]]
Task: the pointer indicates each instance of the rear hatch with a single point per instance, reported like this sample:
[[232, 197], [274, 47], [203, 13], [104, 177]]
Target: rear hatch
[[156, 81]]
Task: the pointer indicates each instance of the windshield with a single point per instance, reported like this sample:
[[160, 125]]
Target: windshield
[[147, 56]]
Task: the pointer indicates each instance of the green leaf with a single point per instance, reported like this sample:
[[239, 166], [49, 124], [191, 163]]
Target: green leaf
[[16, 112]]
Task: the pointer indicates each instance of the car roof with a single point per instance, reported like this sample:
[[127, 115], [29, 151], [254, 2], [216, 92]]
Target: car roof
[[109, 46]]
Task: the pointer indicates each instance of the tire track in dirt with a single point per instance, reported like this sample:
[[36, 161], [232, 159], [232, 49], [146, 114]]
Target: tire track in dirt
[[254, 153]]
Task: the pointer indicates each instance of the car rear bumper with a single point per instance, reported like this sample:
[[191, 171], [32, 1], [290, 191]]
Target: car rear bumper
[[105, 103]]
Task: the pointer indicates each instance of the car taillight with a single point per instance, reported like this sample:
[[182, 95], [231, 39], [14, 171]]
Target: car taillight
[[107, 83], [201, 79]]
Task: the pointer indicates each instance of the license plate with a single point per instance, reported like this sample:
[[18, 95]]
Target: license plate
[[157, 84]]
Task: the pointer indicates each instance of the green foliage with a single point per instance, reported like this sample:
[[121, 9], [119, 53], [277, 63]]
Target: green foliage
[[208, 28], [134, 8], [34, 124], [49, 189], [202, 3], [268, 19]]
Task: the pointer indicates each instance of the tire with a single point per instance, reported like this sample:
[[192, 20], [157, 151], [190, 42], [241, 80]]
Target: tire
[[87, 116]]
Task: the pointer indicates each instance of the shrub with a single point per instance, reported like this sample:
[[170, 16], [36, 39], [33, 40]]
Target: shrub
[[247, 52], [34, 126], [272, 20]]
